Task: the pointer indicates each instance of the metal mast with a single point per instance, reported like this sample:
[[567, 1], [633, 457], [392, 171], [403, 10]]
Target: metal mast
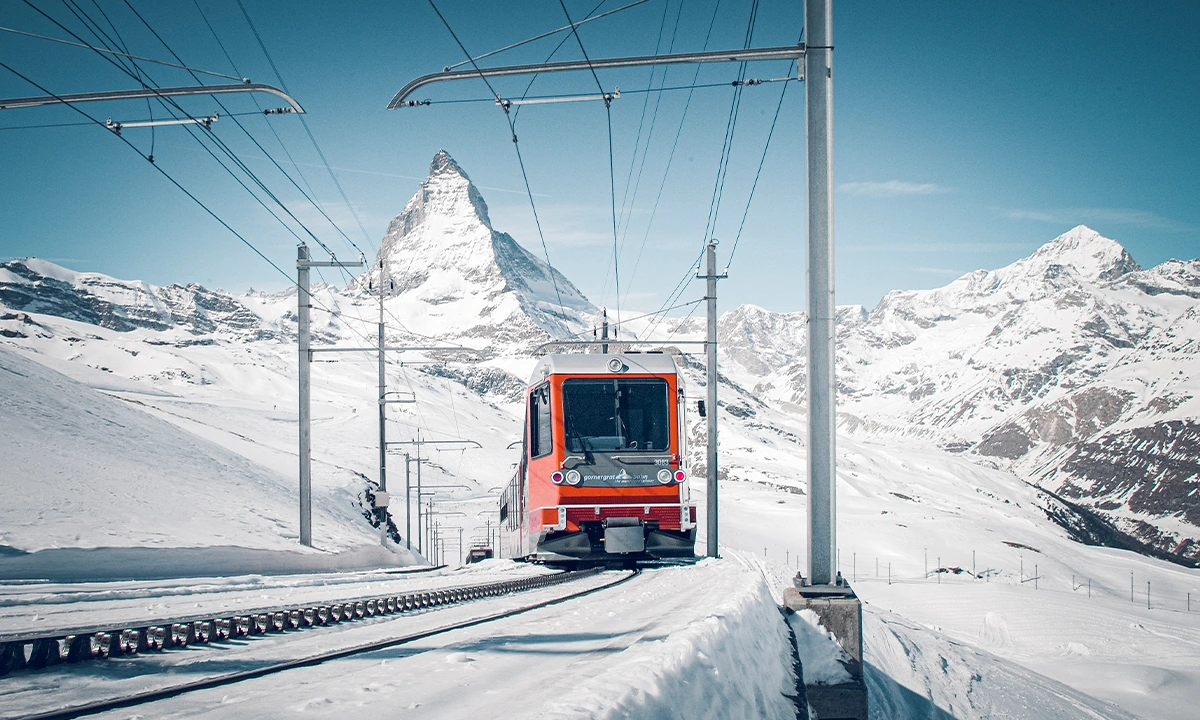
[[303, 306], [382, 507], [818, 88], [711, 277]]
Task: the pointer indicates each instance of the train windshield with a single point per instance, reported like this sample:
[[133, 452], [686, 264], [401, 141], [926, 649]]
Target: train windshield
[[618, 414]]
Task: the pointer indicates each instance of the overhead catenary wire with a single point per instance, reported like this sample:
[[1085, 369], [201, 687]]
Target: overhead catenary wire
[[170, 103], [642, 117], [166, 175], [714, 207], [309, 197], [588, 18], [671, 155], [757, 175], [308, 131], [520, 161], [612, 178], [549, 57]]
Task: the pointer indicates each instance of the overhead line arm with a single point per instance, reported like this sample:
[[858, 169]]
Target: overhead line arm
[[791, 52], [71, 98]]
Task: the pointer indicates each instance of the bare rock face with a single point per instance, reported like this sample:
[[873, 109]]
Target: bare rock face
[[38, 286]]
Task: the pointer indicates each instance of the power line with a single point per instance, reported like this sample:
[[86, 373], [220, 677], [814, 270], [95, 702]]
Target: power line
[[649, 135], [612, 176], [553, 52], [674, 145], [164, 173], [520, 161], [168, 103], [757, 174], [254, 140], [114, 52], [714, 207], [642, 118], [304, 123], [588, 18]]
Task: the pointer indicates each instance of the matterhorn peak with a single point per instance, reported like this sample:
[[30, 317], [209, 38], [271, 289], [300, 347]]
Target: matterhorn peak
[[441, 250], [443, 164]]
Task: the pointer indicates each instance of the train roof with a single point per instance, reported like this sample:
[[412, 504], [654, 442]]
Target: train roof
[[598, 363]]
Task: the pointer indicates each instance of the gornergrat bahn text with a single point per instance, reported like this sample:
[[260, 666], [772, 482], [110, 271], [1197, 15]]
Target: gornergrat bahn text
[[603, 473]]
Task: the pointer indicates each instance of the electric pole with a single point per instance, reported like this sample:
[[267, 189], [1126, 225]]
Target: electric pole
[[822, 419], [303, 306], [711, 276], [604, 331], [418, 459]]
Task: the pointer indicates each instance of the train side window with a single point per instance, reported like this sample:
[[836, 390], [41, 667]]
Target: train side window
[[539, 422]]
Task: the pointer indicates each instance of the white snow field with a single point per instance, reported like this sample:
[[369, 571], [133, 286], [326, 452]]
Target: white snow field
[[706, 642], [97, 488]]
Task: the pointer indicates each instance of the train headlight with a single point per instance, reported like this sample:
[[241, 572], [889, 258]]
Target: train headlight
[[680, 476], [556, 477], [664, 476], [573, 477]]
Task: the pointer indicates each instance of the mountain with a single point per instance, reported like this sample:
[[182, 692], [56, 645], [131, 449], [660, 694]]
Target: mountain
[[37, 286], [442, 261], [1074, 367]]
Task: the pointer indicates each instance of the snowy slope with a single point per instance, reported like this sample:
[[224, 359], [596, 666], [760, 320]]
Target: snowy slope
[[84, 469]]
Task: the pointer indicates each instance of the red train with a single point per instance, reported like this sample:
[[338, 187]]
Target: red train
[[602, 473]]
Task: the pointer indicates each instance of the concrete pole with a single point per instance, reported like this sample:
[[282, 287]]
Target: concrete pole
[[818, 88], [303, 303], [711, 465]]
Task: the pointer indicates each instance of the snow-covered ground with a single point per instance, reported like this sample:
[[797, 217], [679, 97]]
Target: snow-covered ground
[[705, 641], [895, 501]]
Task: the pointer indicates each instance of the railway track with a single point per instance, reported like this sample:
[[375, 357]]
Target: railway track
[[202, 631]]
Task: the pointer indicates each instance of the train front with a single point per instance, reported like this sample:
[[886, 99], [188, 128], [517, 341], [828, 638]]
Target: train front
[[602, 475]]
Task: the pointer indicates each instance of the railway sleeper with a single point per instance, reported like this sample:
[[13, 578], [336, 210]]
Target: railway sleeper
[[41, 652]]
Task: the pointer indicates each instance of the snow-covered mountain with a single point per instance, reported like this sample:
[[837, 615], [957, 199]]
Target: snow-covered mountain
[[443, 260], [1073, 366], [37, 286]]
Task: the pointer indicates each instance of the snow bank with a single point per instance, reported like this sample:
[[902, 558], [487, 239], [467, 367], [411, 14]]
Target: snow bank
[[732, 661]]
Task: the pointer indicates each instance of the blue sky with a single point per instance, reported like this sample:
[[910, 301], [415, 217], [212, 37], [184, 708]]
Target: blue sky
[[966, 135]]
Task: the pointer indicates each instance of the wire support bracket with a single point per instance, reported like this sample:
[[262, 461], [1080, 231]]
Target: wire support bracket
[[791, 52], [506, 103], [117, 127]]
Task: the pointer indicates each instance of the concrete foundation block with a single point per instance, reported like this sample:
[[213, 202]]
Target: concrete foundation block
[[839, 611]]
